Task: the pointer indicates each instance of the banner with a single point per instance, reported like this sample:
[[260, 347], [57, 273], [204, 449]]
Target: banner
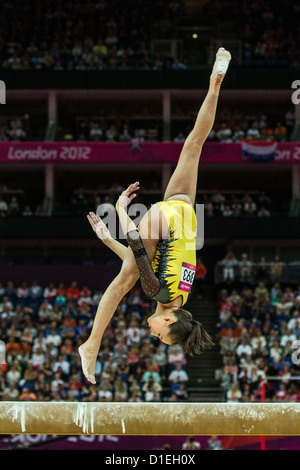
[[258, 151], [86, 442], [148, 152], [127, 443]]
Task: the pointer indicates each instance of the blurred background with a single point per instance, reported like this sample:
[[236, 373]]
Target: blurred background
[[102, 93]]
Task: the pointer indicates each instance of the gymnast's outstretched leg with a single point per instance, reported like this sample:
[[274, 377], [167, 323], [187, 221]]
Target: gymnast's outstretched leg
[[184, 179]]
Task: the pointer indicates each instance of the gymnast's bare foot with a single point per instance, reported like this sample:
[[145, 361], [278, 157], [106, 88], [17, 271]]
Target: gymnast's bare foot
[[88, 363], [220, 67]]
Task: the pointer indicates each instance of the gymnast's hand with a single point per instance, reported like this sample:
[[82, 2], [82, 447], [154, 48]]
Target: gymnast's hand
[[99, 227], [127, 196]]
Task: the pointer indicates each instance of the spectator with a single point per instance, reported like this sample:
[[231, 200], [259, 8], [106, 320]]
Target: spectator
[[245, 268], [283, 307], [214, 443], [50, 292], [121, 390], [27, 395], [61, 364], [288, 336], [177, 65], [111, 134], [27, 212], [176, 356], [16, 134], [261, 289], [224, 134], [200, 276], [3, 207], [280, 132], [294, 321], [263, 212], [244, 349], [249, 206], [125, 135], [227, 212], [151, 372], [229, 263], [12, 392], [179, 138], [35, 291], [13, 207], [181, 393], [152, 390], [105, 394], [160, 358], [276, 267], [13, 376], [234, 394], [73, 292], [53, 338], [253, 133], [191, 444], [281, 394], [262, 270], [178, 377]]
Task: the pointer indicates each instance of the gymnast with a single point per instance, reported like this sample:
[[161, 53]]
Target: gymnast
[[165, 261]]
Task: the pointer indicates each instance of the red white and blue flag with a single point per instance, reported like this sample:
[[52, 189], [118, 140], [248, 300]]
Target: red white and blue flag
[[258, 151]]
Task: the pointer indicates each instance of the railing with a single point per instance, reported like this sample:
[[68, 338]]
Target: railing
[[51, 131], [288, 272], [165, 47]]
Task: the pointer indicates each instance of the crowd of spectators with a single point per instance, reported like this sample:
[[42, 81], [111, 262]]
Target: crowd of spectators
[[237, 205], [234, 126], [258, 324], [270, 34], [146, 125], [116, 35], [42, 328], [93, 35], [268, 31], [85, 199], [12, 129], [246, 271], [13, 206], [230, 126], [116, 131]]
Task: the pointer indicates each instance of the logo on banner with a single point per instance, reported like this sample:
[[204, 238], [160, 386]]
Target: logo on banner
[[258, 151], [135, 145]]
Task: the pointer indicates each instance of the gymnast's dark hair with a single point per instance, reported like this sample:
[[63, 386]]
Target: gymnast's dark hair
[[189, 333]]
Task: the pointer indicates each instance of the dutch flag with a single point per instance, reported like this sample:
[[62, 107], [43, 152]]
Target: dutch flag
[[258, 151]]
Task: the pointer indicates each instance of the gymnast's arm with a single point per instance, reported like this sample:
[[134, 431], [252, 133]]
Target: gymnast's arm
[[104, 234], [142, 245]]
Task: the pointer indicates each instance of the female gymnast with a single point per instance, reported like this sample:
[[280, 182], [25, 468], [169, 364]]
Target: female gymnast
[[162, 261]]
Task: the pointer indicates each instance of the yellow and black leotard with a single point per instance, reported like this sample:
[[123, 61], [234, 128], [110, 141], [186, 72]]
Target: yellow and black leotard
[[174, 263], [171, 273]]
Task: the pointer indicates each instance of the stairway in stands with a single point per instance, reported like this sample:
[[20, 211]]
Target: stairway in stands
[[203, 386]]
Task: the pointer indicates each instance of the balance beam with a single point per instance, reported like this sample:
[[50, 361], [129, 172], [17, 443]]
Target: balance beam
[[165, 419]]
